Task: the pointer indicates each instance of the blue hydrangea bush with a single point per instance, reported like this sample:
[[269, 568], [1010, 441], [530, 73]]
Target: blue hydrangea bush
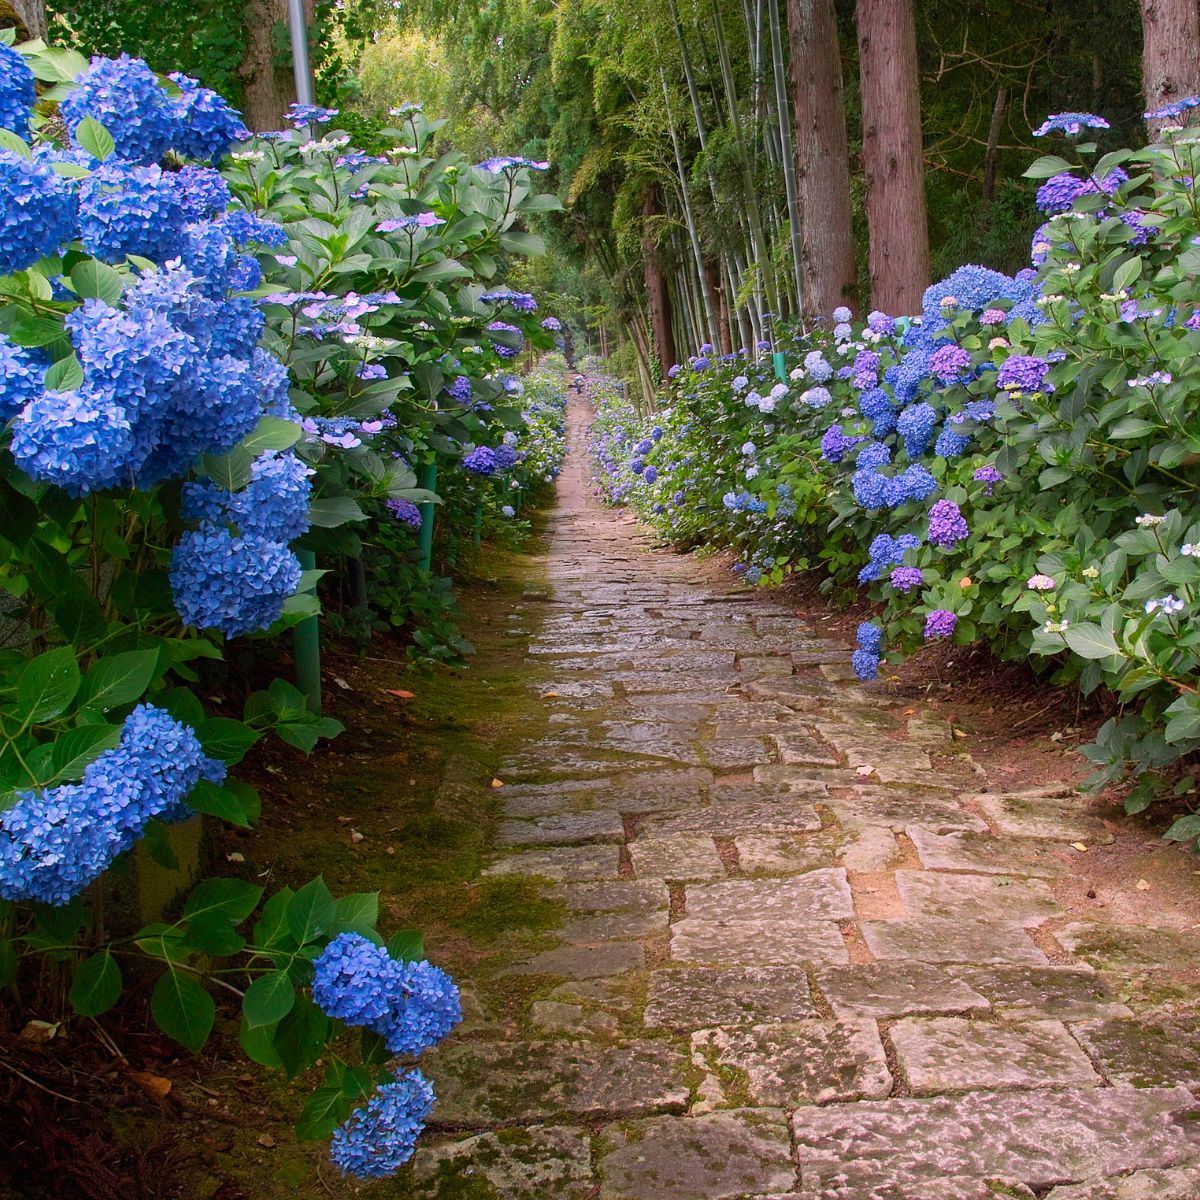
[[1017, 464], [173, 427]]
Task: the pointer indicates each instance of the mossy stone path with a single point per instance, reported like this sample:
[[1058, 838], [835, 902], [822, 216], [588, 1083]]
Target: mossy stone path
[[808, 952]]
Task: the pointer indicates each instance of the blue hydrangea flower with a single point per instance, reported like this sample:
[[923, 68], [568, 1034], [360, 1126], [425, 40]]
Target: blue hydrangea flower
[[865, 664], [870, 489], [127, 210], [873, 455], [460, 389], [939, 624], [915, 425], [950, 444], [501, 349], [273, 505], [124, 95], [406, 512], [234, 584], [1070, 123], [16, 91], [21, 372], [1058, 193], [355, 981], [426, 1007], [906, 579], [1023, 373], [869, 636], [37, 212], [480, 461], [876, 405], [55, 842], [949, 362], [380, 1137], [835, 444], [207, 125], [202, 192], [243, 228], [913, 483]]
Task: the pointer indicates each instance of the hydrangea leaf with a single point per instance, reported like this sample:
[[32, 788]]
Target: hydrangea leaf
[[95, 139], [97, 984], [268, 999], [182, 1009]]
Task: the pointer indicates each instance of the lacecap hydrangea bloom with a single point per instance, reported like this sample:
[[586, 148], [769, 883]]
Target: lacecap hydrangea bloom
[[37, 212], [124, 95], [55, 842], [380, 1137]]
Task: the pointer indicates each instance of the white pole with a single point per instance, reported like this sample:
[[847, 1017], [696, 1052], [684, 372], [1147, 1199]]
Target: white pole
[[304, 87]]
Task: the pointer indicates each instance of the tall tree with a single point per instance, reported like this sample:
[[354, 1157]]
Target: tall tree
[[822, 157], [267, 85], [31, 14], [893, 157], [658, 298], [1170, 51]]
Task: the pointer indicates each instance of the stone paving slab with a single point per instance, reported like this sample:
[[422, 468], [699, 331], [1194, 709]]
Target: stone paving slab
[[720, 1156], [1025, 993], [779, 854], [1040, 1138], [723, 793], [727, 820], [584, 962], [761, 942], [678, 856], [953, 1054], [958, 1188], [821, 895], [1131, 947], [977, 897], [941, 850], [1181, 1183], [603, 926], [498, 1083], [935, 939], [731, 754], [704, 997], [1034, 815], [897, 810], [1139, 1052], [567, 863], [532, 1163], [566, 829], [625, 895], [896, 989], [812, 1062], [801, 749]]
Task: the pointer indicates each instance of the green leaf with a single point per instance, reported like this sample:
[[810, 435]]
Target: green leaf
[[182, 1009], [300, 1037], [226, 739], [1088, 640], [323, 1112], [8, 962], [74, 749], [93, 280], [259, 1045], [1047, 165], [10, 141], [97, 984], [1126, 273], [407, 945], [65, 375], [272, 433], [118, 679], [232, 471], [332, 511], [356, 913], [156, 841], [232, 899], [221, 802], [47, 685], [94, 138], [310, 912], [523, 243], [268, 999]]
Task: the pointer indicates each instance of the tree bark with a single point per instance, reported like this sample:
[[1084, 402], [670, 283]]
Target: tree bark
[[716, 285], [893, 156], [267, 88], [32, 16], [658, 299], [1170, 52], [822, 158]]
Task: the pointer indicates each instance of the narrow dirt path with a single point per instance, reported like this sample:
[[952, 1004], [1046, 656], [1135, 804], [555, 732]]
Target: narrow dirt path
[[807, 952]]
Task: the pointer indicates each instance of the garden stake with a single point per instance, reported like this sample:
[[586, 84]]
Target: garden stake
[[425, 540]]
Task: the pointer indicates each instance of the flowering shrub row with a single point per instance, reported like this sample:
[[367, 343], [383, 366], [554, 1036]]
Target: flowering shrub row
[[1017, 463], [198, 370]]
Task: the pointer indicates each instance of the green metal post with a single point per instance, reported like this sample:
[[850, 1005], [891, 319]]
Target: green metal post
[[307, 645], [477, 528], [777, 357], [425, 539]]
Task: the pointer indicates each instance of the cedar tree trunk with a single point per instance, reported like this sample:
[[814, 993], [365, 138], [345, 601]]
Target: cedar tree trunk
[[1170, 52], [658, 299]]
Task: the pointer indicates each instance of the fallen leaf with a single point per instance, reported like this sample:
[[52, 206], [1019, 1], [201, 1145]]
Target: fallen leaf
[[549, 695], [960, 733], [341, 683], [40, 1031], [154, 1085], [864, 769], [497, 783], [355, 836], [266, 1139], [399, 693], [908, 712], [235, 856], [1079, 846], [1142, 885]]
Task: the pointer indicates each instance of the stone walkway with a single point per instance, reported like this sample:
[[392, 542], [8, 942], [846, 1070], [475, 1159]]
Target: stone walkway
[[808, 953]]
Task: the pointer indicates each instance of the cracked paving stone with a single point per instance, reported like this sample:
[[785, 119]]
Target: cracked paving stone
[[968, 851], [603, 926], [1140, 1052], [703, 997], [566, 863], [757, 942], [584, 962], [812, 1062], [953, 1054], [677, 857], [958, 1188], [799, 749], [896, 989], [1131, 947], [1181, 1183], [977, 897], [732, 754], [728, 820], [821, 895], [871, 849], [1040, 1137], [1033, 815], [724, 793], [567, 829], [934, 939], [876, 806], [778, 854], [721, 1156], [495, 1083], [623, 895], [520, 1164], [1026, 993]]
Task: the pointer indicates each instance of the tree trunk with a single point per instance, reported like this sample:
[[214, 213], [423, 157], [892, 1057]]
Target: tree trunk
[[658, 299], [267, 89], [893, 157], [31, 14], [1170, 52], [788, 152], [822, 157], [716, 284], [993, 146]]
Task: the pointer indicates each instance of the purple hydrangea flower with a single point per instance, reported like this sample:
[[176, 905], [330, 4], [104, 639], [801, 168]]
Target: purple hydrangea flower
[[949, 362], [906, 579], [1023, 373], [947, 526], [940, 624]]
